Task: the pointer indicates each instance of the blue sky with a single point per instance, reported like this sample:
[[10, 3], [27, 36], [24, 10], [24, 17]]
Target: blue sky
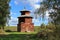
[[31, 5]]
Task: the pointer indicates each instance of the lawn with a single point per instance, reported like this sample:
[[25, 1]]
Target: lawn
[[18, 37], [14, 35], [14, 28], [21, 32]]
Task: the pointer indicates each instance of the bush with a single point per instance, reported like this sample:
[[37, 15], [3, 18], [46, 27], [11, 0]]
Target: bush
[[8, 31]]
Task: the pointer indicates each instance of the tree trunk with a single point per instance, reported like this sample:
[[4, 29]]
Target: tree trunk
[[0, 27], [3, 27], [1, 30]]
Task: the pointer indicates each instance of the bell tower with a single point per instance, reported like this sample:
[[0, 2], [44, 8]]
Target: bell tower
[[25, 22]]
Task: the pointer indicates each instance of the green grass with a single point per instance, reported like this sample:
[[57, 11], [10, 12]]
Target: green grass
[[18, 37], [14, 35], [14, 28], [22, 32]]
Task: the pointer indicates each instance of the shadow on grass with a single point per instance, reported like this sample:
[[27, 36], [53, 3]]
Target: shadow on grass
[[9, 31], [18, 37]]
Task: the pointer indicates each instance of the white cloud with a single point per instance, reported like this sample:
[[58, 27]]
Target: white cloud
[[33, 3], [13, 21], [51, 10], [41, 0], [47, 14], [35, 20], [20, 1], [37, 6], [16, 2], [12, 13]]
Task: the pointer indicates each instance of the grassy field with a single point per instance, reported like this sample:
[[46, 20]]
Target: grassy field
[[13, 28], [18, 37], [14, 35]]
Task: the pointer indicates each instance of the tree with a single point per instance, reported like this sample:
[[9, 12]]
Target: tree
[[4, 12], [43, 26], [48, 5], [54, 14], [50, 27]]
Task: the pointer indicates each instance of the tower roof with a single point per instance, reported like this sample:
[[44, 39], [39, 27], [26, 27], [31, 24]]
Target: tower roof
[[25, 16], [24, 10]]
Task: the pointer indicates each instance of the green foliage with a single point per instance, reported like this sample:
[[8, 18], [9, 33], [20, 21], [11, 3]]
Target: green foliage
[[4, 12], [49, 32], [50, 27], [54, 28], [43, 26], [36, 28], [47, 5]]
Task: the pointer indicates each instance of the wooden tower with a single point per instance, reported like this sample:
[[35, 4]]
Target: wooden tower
[[25, 22]]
